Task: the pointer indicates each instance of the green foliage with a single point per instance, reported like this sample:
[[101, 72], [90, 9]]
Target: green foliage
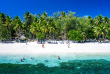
[[91, 34], [75, 35], [40, 35], [108, 36], [4, 34], [57, 26]]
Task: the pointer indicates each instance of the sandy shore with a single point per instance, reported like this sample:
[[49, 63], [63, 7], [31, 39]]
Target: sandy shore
[[12, 53], [34, 48]]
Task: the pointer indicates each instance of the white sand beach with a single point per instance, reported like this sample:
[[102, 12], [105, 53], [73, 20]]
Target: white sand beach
[[34, 48]]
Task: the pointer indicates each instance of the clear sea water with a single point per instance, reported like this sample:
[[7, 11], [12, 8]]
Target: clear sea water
[[51, 60]]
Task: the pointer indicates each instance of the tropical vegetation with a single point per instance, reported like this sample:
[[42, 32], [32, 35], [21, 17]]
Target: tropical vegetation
[[60, 26]]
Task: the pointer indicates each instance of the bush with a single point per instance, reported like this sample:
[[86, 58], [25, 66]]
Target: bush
[[75, 35]]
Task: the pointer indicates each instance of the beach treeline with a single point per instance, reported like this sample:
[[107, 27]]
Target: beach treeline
[[60, 26]]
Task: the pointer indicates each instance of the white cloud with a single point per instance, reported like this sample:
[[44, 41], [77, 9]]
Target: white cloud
[[86, 16]]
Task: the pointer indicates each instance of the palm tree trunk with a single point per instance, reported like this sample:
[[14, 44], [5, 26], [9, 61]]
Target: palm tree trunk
[[37, 37], [10, 33], [53, 36], [33, 37], [45, 36], [99, 38], [29, 35]]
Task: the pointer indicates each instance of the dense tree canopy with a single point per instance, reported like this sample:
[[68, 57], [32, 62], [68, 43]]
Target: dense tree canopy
[[59, 26]]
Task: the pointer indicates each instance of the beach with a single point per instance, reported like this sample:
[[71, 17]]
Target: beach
[[34, 53], [34, 48]]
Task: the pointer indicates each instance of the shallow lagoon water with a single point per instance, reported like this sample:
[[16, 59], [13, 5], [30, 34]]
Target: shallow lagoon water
[[51, 60]]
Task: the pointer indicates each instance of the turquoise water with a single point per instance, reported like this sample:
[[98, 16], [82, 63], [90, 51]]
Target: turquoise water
[[51, 60], [50, 64]]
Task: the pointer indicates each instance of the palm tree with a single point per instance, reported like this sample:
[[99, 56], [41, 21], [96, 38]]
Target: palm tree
[[2, 18], [42, 21], [28, 20], [8, 22], [4, 33], [34, 27], [106, 20], [51, 27], [63, 14], [44, 15], [17, 26], [101, 31], [106, 24], [100, 19], [39, 15]]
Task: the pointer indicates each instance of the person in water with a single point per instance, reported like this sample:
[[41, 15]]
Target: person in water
[[59, 58], [21, 60]]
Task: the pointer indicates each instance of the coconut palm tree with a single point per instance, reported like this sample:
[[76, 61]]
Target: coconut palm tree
[[106, 20], [2, 18], [100, 31], [17, 26], [8, 23], [34, 27], [44, 15], [63, 14], [100, 19], [28, 20], [51, 27]]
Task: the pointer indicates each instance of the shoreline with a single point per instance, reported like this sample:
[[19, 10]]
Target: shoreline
[[12, 53], [54, 49]]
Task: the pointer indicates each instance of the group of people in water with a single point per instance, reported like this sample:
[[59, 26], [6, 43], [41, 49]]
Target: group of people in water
[[22, 60]]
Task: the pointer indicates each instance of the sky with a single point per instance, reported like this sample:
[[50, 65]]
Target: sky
[[81, 7]]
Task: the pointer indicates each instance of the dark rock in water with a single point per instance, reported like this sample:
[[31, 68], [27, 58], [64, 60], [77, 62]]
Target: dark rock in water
[[46, 61]]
